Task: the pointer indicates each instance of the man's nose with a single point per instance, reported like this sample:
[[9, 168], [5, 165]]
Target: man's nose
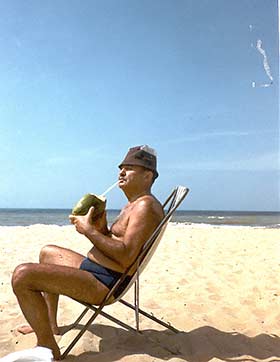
[[122, 172]]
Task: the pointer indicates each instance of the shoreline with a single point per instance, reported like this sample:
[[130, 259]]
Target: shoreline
[[28, 217], [173, 223]]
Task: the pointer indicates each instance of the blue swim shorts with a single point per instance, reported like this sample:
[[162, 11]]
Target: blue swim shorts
[[106, 276]]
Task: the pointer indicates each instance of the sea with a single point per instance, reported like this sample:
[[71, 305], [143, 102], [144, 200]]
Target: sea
[[27, 217]]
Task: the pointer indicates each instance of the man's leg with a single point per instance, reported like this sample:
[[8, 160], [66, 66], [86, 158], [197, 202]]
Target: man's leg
[[52, 254], [29, 280], [52, 304]]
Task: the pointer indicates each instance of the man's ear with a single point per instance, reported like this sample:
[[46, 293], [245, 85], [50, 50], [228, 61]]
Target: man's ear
[[149, 176]]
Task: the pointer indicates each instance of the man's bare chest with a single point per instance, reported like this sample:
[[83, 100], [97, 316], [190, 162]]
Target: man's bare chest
[[119, 227]]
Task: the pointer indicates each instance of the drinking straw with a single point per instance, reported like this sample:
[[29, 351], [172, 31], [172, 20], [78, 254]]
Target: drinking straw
[[110, 188]]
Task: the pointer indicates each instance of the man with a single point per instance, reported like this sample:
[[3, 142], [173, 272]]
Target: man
[[63, 271]]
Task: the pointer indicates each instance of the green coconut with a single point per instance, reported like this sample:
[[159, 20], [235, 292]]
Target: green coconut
[[86, 202]]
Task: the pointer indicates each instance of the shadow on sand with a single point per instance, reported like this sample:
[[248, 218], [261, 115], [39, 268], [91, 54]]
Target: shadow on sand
[[199, 345]]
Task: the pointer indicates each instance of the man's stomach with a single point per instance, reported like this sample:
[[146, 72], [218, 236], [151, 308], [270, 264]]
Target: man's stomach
[[98, 257]]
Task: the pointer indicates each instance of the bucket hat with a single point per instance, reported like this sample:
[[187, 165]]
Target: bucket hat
[[144, 156]]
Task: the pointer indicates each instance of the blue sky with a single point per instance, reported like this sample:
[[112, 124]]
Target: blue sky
[[81, 81]]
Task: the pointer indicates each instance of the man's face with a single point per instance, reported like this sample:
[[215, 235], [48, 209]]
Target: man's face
[[131, 176]]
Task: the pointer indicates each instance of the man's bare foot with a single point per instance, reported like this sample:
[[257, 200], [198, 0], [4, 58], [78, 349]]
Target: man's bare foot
[[26, 329]]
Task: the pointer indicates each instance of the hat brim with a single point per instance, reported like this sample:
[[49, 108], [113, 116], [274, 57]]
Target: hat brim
[[138, 163]]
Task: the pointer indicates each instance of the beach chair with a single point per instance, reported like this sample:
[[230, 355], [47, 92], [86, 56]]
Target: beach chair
[[170, 205]]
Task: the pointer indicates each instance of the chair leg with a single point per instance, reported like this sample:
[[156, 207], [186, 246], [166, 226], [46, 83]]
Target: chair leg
[[150, 316], [81, 316], [113, 319], [97, 311], [82, 331], [136, 301]]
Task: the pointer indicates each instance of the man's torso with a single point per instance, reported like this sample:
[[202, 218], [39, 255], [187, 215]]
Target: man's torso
[[119, 227]]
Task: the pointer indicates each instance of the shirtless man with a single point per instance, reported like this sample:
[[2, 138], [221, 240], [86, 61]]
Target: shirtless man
[[63, 271]]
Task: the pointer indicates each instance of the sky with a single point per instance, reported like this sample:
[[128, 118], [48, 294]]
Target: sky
[[82, 81]]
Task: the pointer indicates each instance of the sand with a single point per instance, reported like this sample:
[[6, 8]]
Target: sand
[[218, 285]]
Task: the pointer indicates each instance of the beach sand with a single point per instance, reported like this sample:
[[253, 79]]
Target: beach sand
[[219, 285]]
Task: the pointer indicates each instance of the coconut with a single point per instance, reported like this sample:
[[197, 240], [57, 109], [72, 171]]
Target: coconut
[[86, 202]]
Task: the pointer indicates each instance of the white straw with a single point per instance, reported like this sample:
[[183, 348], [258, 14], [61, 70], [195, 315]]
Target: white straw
[[110, 188]]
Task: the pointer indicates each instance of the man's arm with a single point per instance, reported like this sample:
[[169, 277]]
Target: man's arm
[[143, 220]]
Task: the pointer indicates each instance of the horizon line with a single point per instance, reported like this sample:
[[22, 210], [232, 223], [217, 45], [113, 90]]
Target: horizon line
[[113, 209]]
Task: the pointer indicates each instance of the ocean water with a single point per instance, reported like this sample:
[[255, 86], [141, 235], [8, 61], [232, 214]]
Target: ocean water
[[26, 217]]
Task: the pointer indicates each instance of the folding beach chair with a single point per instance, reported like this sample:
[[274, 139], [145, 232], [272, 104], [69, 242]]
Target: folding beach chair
[[170, 205]]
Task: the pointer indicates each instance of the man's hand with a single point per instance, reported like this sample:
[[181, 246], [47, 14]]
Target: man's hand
[[85, 223]]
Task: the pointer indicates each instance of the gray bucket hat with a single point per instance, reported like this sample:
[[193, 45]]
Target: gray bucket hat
[[144, 156]]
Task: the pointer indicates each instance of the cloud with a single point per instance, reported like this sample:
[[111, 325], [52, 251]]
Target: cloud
[[265, 64], [264, 162], [58, 160], [214, 134], [85, 154]]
